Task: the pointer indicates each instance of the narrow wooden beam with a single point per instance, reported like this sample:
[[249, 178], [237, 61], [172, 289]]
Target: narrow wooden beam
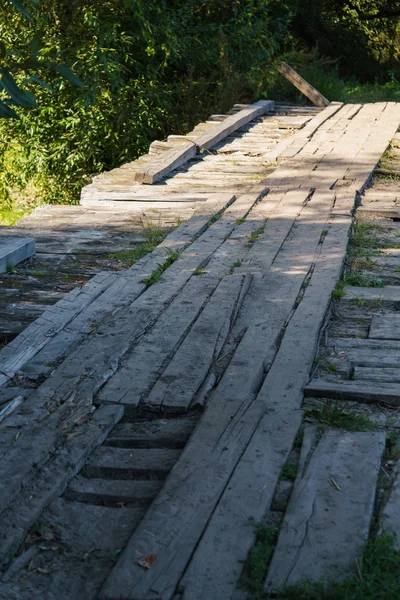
[[170, 160], [233, 123], [177, 156], [302, 85]]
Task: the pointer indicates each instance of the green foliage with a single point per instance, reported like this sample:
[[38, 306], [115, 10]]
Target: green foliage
[[259, 557], [149, 67], [377, 577], [333, 415]]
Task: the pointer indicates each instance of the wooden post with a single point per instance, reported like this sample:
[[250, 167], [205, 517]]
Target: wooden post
[[302, 85]]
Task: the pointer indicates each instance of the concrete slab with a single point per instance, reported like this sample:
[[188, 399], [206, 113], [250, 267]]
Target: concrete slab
[[14, 251]]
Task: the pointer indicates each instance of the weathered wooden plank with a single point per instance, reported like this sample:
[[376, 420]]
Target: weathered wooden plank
[[327, 522], [43, 483], [15, 250], [37, 335], [302, 85], [141, 368], [88, 552], [215, 568], [182, 379], [379, 211], [128, 463], [216, 445], [386, 296], [377, 374], [157, 433], [108, 492], [117, 291], [386, 327], [181, 153], [344, 344], [354, 390], [232, 123], [167, 162]]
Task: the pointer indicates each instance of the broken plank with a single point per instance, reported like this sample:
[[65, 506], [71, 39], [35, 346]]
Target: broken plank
[[327, 521], [182, 379], [259, 468], [302, 85], [117, 291], [48, 480], [141, 368], [222, 436], [388, 393]]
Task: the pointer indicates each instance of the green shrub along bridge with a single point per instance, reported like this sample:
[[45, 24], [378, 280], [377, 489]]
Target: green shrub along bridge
[[153, 414]]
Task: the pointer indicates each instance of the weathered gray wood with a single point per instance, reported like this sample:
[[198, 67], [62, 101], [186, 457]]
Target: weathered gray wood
[[354, 390], [91, 538], [181, 153], [168, 161], [37, 335], [230, 533], [141, 368], [182, 379], [377, 374], [386, 327], [379, 211], [115, 291], [326, 526], [232, 123], [7, 409], [386, 296], [302, 85], [221, 437], [367, 357], [85, 370], [14, 250], [125, 463], [112, 491], [44, 482], [345, 344], [157, 433]]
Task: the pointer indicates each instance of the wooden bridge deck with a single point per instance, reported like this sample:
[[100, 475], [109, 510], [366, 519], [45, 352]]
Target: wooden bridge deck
[[146, 418]]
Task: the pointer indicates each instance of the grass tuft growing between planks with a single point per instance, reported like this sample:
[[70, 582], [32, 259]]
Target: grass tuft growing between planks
[[156, 275], [333, 415], [259, 557], [377, 577], [154, 237]]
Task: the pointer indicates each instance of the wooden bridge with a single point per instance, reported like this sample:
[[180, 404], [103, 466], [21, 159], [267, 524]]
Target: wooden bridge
[[149, 413]]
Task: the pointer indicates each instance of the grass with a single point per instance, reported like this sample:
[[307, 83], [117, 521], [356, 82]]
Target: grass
[[376, 578], [364, 235], [154, 237], [240, 221], [258, 559], [358, 279], [333, 415], [156, 275], [254, 235], [199, 271], [392, 447], [290, 469]]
